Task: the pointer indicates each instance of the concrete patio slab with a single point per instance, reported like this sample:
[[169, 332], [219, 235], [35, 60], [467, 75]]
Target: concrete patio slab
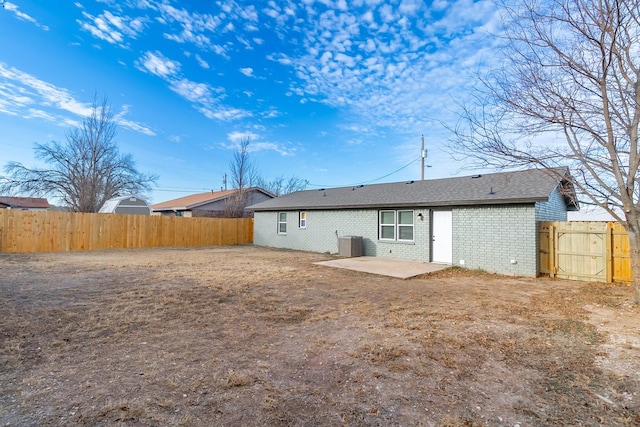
[[399, 268]]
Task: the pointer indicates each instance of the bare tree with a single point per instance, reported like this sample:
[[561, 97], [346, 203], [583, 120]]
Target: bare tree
[[280, 186], [568, 93], [85, 171], [243, 175], [243, 168]]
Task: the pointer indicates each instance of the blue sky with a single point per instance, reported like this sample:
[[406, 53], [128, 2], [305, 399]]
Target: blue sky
[[335, 92]]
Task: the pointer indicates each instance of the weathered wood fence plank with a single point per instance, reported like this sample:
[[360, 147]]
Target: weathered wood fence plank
[[46, 231]]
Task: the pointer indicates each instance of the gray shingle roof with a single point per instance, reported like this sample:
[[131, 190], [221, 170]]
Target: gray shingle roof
[[487, 189]]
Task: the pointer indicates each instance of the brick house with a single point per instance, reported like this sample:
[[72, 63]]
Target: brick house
[[485, 221]]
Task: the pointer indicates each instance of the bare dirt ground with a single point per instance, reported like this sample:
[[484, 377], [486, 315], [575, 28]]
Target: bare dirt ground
[[253, 336]]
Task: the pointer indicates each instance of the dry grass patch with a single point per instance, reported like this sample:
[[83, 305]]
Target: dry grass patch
[[252, 336]]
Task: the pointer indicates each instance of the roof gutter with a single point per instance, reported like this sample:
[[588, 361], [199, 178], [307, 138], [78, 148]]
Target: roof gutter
[[403, 205]]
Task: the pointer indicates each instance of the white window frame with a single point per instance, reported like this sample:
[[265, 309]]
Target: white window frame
[[302, 219], [396, 225], [280, 222], [412, 225], [386, 224]]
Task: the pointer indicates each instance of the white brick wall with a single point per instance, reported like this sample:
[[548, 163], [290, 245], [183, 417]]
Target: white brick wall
[[324, 228], [491, 237]]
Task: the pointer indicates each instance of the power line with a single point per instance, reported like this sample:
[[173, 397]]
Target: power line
[[371, 180], [203, 189]]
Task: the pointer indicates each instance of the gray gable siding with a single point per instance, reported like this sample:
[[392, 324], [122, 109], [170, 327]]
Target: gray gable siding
[[217, 205], [554, 209], [133, 210], [254, 196]]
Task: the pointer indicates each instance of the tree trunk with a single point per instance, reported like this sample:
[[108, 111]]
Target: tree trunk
[[633, 229]]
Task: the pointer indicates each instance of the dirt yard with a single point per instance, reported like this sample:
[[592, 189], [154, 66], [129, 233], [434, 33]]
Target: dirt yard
[[251, 336]]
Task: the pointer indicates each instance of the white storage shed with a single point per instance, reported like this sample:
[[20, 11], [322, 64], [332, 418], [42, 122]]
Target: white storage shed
[[129, 205]]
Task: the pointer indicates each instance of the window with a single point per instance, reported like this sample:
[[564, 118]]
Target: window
[[396, 225], [387, 225], [405, 225], [303, 220], [282, 223]]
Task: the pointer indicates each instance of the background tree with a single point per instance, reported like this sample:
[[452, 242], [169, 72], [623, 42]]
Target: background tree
[[83, 172], [280, 185], [244, 176], [567, 93], [242, 167]]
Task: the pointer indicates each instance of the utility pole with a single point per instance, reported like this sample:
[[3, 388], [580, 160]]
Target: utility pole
[[423, 155]]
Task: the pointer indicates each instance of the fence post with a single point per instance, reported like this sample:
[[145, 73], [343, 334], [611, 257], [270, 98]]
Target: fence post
[[609, 252], [552, 250]]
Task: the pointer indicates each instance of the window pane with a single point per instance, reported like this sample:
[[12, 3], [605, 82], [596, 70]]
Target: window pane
[[405, 233], [282, 227], [283, 217], [405, 217], [387, 217], [387, 232]]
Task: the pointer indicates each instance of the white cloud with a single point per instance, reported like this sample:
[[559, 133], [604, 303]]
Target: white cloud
[[204, 64], [236, 137], [271, 146], [255, 144], [32, 98], [111, 28], [410, 7], [395, 64], [192, 91], [13, 8], [158, 64], [121, 120], [226, 113], [247, 71]]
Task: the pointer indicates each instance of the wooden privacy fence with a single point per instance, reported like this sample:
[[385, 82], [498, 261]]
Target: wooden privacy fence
[[592, 251], [46, 231]]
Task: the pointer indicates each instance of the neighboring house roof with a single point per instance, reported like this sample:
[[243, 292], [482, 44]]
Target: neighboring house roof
[[488, 189], [25, 202], [195, 200]]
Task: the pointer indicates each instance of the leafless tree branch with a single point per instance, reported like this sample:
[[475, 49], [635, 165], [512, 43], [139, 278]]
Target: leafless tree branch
[[568, 94], [83, 172]]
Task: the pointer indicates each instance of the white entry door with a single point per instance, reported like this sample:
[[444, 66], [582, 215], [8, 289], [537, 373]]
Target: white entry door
[[442, 237]]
